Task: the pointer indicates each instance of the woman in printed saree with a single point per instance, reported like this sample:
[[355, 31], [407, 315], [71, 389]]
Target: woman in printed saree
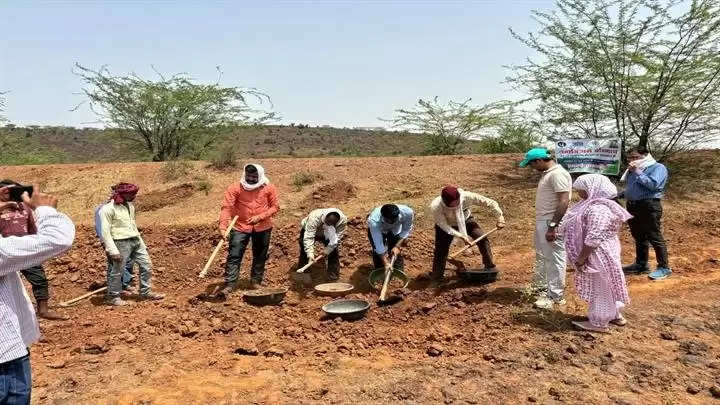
[[590, 230]]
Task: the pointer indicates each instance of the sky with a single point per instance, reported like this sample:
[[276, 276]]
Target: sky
[[339, 63]]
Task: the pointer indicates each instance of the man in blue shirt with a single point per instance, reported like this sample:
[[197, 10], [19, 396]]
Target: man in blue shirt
[[389, 227], [646, 180]]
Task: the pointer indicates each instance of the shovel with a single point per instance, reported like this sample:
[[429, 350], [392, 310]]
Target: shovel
[[217, 248]]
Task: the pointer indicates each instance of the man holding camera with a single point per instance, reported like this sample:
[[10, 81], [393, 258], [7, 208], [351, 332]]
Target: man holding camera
[[54, 236], [17, 219]]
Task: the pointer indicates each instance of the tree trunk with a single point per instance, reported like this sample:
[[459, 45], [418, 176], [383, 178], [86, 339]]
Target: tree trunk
[[643, 143]]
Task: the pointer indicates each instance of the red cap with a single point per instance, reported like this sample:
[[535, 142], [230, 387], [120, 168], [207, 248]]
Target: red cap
[[449, 194]]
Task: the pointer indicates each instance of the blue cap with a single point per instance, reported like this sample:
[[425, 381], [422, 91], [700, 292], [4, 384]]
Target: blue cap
[[535, 154]]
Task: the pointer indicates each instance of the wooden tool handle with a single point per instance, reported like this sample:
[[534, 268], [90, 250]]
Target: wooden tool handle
[[217, 248], [388, 275], [74, 300], [307, 266], [452, 256]]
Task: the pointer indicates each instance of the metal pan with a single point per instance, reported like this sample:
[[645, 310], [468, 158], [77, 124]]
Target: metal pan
[[349, 310], [266, 296]]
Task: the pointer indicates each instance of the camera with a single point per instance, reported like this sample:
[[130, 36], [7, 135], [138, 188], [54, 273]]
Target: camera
[[17, 192]]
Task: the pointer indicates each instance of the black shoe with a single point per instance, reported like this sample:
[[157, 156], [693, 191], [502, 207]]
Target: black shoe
[[636, 269], [226, 290]]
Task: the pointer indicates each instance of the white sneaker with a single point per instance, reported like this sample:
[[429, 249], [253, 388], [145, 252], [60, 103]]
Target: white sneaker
[[544, 303], [547, 303]]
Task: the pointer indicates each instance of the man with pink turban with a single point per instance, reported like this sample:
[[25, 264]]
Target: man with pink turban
[[590, 230], [122, 241]]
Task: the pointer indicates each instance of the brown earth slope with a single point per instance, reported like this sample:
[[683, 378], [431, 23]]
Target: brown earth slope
[[458, 344]]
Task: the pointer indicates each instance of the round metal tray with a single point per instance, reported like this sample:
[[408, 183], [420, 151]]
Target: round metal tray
[[347, 309], [334, 289], [265, 296]]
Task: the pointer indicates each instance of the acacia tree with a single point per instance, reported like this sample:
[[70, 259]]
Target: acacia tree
[[170, 117], [647, 71], [448, 127]]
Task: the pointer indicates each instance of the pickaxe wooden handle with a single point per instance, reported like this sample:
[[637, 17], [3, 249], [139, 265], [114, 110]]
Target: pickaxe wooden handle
[[388, 275], [307, 266], [74, 300], [217, 248], [452, 256]]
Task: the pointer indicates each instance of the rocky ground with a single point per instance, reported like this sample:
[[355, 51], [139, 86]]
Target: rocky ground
[[455, 344]]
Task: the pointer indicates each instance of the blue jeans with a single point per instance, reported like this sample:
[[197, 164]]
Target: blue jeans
[[127, 276], [132, 250], [15, 381]]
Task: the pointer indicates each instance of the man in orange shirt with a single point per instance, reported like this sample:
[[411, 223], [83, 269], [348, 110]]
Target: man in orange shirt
[[254, 200]]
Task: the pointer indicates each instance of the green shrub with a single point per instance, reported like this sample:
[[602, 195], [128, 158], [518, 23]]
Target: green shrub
[[224, 158], [301, 179], [511, 138], [203, 185], [175, 169]]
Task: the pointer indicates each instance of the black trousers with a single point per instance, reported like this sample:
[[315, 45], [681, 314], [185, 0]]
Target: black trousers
[[238, 244], [333, 259], [38, 280], [443, 240], [646, 229], [390, 241]]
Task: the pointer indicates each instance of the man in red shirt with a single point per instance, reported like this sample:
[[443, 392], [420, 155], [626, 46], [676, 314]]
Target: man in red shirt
[[16, 219], [254, 201]]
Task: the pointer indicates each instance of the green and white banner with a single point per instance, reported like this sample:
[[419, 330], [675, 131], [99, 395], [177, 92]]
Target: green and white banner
[[589, 155]]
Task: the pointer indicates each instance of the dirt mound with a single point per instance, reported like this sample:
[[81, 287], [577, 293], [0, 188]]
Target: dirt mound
[[159, 199], [336, 192]]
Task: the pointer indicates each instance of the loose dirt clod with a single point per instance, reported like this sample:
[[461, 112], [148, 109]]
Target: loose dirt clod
[[693, 388], [246, 350], [435, 350]]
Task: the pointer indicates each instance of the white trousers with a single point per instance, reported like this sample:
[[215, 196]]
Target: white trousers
[[549, 263]]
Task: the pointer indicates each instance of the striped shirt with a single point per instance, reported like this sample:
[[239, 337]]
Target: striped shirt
[[648, 184], [18, 325]]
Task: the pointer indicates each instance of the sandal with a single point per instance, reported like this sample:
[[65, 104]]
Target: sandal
[[619, 321], [586, 325]]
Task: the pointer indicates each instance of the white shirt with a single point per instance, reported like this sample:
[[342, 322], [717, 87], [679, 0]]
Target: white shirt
[[446, 219], [553, 181], [18, 324]]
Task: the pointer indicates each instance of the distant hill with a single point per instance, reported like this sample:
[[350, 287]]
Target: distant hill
[[44, 145]]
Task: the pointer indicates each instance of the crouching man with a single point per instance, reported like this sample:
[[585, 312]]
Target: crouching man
[[326, 225]]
